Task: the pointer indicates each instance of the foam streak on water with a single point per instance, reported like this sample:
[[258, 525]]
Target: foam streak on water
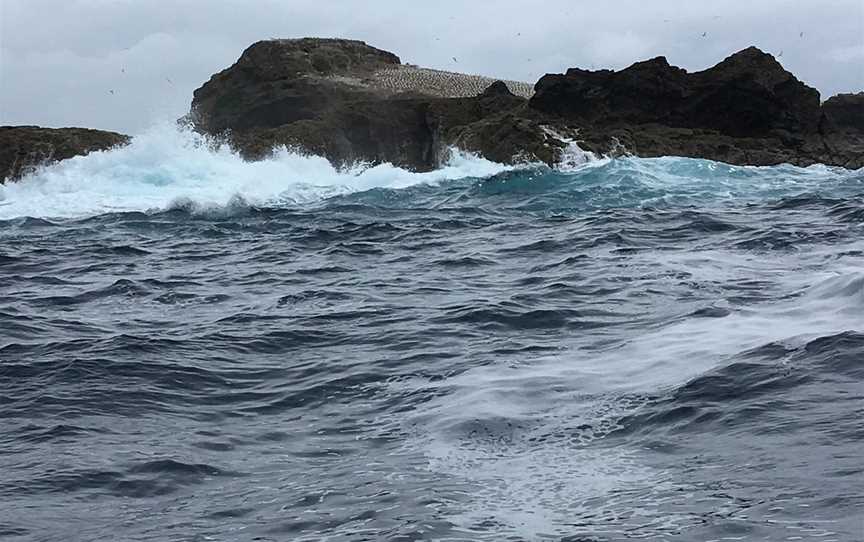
[[198, 348]]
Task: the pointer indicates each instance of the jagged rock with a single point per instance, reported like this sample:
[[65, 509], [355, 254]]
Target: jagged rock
[[842, 129], [351, 102], [745, 110], [749, 94], [845, 113], [23, 148], [363, 105]]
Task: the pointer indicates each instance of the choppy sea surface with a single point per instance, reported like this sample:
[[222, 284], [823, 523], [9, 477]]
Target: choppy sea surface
[[197, 348]]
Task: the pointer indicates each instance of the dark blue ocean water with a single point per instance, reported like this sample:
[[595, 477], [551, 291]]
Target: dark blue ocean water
[[663, 349]]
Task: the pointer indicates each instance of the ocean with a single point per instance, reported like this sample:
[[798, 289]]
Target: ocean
[[198, 348]]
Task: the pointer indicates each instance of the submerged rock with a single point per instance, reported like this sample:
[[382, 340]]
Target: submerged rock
[[23, 148]]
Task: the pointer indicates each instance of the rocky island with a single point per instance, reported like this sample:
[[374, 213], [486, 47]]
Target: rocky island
[[351, 102], [24, 147]]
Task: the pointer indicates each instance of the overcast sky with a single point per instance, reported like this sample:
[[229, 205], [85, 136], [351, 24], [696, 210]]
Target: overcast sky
[[124, 64]]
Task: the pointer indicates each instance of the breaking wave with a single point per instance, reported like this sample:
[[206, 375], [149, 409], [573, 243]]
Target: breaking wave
[[169, 167]]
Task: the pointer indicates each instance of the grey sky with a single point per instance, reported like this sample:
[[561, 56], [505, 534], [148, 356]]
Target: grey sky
[[60, 60]]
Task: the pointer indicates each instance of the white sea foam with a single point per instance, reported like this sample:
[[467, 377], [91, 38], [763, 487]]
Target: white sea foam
[[534, 479], [573, 157], [167, 165]]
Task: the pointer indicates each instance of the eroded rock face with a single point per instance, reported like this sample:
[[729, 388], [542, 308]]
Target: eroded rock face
[[749, 94], [278, 82], [845, 113], [842, 129], [23, 148], [290, 92], [329, 97], [745, 110]]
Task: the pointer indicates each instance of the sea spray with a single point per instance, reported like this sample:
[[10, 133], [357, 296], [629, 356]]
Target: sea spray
[[169, 164]]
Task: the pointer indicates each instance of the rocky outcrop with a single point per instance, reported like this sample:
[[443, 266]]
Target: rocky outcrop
[[842, 129], [352, 102], [23, 148], [745, 110], [747, 95]]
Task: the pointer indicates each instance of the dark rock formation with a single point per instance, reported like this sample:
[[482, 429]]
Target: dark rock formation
[[325, 97], [23, 148], [330, 97], [279, 82], [842, 128], [350, 102], [747, 95], [745, 110]]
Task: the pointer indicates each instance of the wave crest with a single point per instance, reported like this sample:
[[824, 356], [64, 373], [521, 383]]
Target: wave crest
[[171, 167]]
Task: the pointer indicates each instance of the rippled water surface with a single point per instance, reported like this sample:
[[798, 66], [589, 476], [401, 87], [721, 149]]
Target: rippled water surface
[[662, 349]]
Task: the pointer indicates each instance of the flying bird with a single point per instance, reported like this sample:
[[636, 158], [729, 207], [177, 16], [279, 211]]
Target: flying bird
[[111, 92], [454, 59], [170, 82], [704, 34], [801, 35], [781, 54]]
